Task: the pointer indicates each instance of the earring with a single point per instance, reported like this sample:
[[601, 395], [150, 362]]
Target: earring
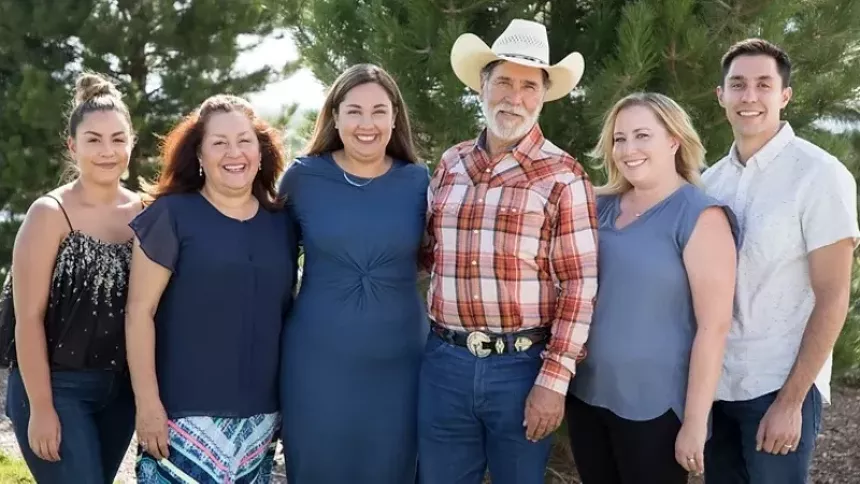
[[200, 169]]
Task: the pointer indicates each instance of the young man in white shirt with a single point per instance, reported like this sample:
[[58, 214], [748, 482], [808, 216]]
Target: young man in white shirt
[[797, 208]]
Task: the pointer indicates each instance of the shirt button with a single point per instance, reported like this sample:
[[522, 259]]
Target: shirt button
[[487, 170], [474, 262], [480, 200], [475, 231], [475, 296]]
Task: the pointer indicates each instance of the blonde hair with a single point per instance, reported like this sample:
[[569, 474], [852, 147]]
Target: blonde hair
[[689, 159]]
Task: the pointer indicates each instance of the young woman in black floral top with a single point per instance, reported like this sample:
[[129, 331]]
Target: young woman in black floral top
[[69, 396]]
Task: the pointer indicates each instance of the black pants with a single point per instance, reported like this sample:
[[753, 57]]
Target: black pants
[[611, 450]]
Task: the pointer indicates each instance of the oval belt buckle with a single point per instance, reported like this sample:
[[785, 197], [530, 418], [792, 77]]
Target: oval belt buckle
[[475, 343], [522, 343]]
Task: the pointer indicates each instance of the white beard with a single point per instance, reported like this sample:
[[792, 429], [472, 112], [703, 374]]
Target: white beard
[[512, 132]]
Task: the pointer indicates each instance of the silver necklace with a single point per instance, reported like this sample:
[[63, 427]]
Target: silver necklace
[[345, 177]]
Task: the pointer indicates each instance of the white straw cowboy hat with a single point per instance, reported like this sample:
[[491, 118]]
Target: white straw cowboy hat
[[523, 42]]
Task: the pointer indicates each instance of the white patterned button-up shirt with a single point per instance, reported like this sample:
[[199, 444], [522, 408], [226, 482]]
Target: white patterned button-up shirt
[[791, 198]]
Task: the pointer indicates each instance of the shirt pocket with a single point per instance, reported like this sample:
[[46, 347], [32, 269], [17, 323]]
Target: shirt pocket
[[520, 223]]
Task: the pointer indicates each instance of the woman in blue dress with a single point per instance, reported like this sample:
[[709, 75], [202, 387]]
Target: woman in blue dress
[[351, 348]]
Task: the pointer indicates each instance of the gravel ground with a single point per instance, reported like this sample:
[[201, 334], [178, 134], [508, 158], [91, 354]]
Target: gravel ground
[[837, 457], [836, 460]]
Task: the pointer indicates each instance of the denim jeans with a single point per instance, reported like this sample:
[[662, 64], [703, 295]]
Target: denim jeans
[[731, 456], [96, 412], [470, 417]]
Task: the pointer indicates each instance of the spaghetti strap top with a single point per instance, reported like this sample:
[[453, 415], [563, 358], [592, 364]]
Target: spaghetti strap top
[[65, 214], [85, 316]]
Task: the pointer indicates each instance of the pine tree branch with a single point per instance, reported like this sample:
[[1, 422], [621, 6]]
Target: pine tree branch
[[451, 10]]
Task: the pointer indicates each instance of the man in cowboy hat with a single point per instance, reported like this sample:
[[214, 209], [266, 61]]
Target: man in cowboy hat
[[512, 253]]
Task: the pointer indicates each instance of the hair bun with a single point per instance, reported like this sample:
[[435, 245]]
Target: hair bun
[[89, 86]]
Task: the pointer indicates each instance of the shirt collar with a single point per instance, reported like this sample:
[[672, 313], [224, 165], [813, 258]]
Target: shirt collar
[[769, 151], [529, 149]]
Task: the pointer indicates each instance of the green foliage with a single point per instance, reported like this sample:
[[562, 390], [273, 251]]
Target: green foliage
[[14, 471], [673, 47], [167, 56], [846, 353]]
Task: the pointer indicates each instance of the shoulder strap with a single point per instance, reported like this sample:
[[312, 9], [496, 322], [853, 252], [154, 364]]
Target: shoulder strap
[[63, 209]]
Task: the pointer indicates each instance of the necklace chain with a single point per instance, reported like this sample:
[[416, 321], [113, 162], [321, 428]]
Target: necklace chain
[[348, 180]]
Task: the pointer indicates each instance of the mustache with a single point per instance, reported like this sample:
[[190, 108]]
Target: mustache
[[518, 110]]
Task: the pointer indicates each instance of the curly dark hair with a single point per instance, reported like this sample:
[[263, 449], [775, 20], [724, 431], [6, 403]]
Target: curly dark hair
[[180, 148]]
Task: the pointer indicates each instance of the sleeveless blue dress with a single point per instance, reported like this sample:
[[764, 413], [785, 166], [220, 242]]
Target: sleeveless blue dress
[[352, 345]]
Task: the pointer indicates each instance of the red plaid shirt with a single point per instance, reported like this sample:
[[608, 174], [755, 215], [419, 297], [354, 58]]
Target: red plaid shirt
[[511, 244]]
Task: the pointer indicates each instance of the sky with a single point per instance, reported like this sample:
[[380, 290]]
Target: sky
[[302, 87]]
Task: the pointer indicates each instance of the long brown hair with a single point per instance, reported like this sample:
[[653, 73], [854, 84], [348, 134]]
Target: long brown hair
[[180, 148], [325, 137]]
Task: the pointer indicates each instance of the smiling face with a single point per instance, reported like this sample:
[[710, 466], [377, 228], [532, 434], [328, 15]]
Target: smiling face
[[230, 151], [365, 120], [642, 148], [102, 147], [753, 96], [512, 99]]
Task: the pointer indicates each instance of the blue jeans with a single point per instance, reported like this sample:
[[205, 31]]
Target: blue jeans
[[470, 417], [731, 456], [96, 412]]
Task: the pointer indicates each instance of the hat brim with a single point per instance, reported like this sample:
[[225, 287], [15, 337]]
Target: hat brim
[[470, 54]]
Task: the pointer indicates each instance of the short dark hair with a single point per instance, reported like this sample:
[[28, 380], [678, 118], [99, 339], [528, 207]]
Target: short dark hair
[[488, 69], [755, 46]]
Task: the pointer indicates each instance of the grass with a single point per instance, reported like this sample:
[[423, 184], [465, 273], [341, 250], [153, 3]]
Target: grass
[[14, 471]]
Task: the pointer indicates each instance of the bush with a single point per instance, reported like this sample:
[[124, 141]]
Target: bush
[[846, 353]]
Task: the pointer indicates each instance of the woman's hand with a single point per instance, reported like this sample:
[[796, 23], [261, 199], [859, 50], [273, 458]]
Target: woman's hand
[[151, 426], [43, 433], [690, 447]]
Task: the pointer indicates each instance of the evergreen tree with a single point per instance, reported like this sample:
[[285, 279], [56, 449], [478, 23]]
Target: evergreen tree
[[33, 56], [673, 47], [166, 56]]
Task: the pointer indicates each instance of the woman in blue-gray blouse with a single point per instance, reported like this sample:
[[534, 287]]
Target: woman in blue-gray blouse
[[639, 404], [352, 345], [212, 274]]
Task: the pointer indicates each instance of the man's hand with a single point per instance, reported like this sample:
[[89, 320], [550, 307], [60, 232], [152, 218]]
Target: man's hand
[[544, 413], [779, 430]]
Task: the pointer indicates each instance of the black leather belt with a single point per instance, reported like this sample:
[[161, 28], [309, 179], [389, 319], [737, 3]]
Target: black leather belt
[[483, 344]]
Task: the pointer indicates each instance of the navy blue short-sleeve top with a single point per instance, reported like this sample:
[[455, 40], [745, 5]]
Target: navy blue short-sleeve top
[[219, 321]]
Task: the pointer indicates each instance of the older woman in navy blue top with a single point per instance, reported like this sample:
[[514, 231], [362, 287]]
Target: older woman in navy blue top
[[639, 405], [352, 345], [211, 281]]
